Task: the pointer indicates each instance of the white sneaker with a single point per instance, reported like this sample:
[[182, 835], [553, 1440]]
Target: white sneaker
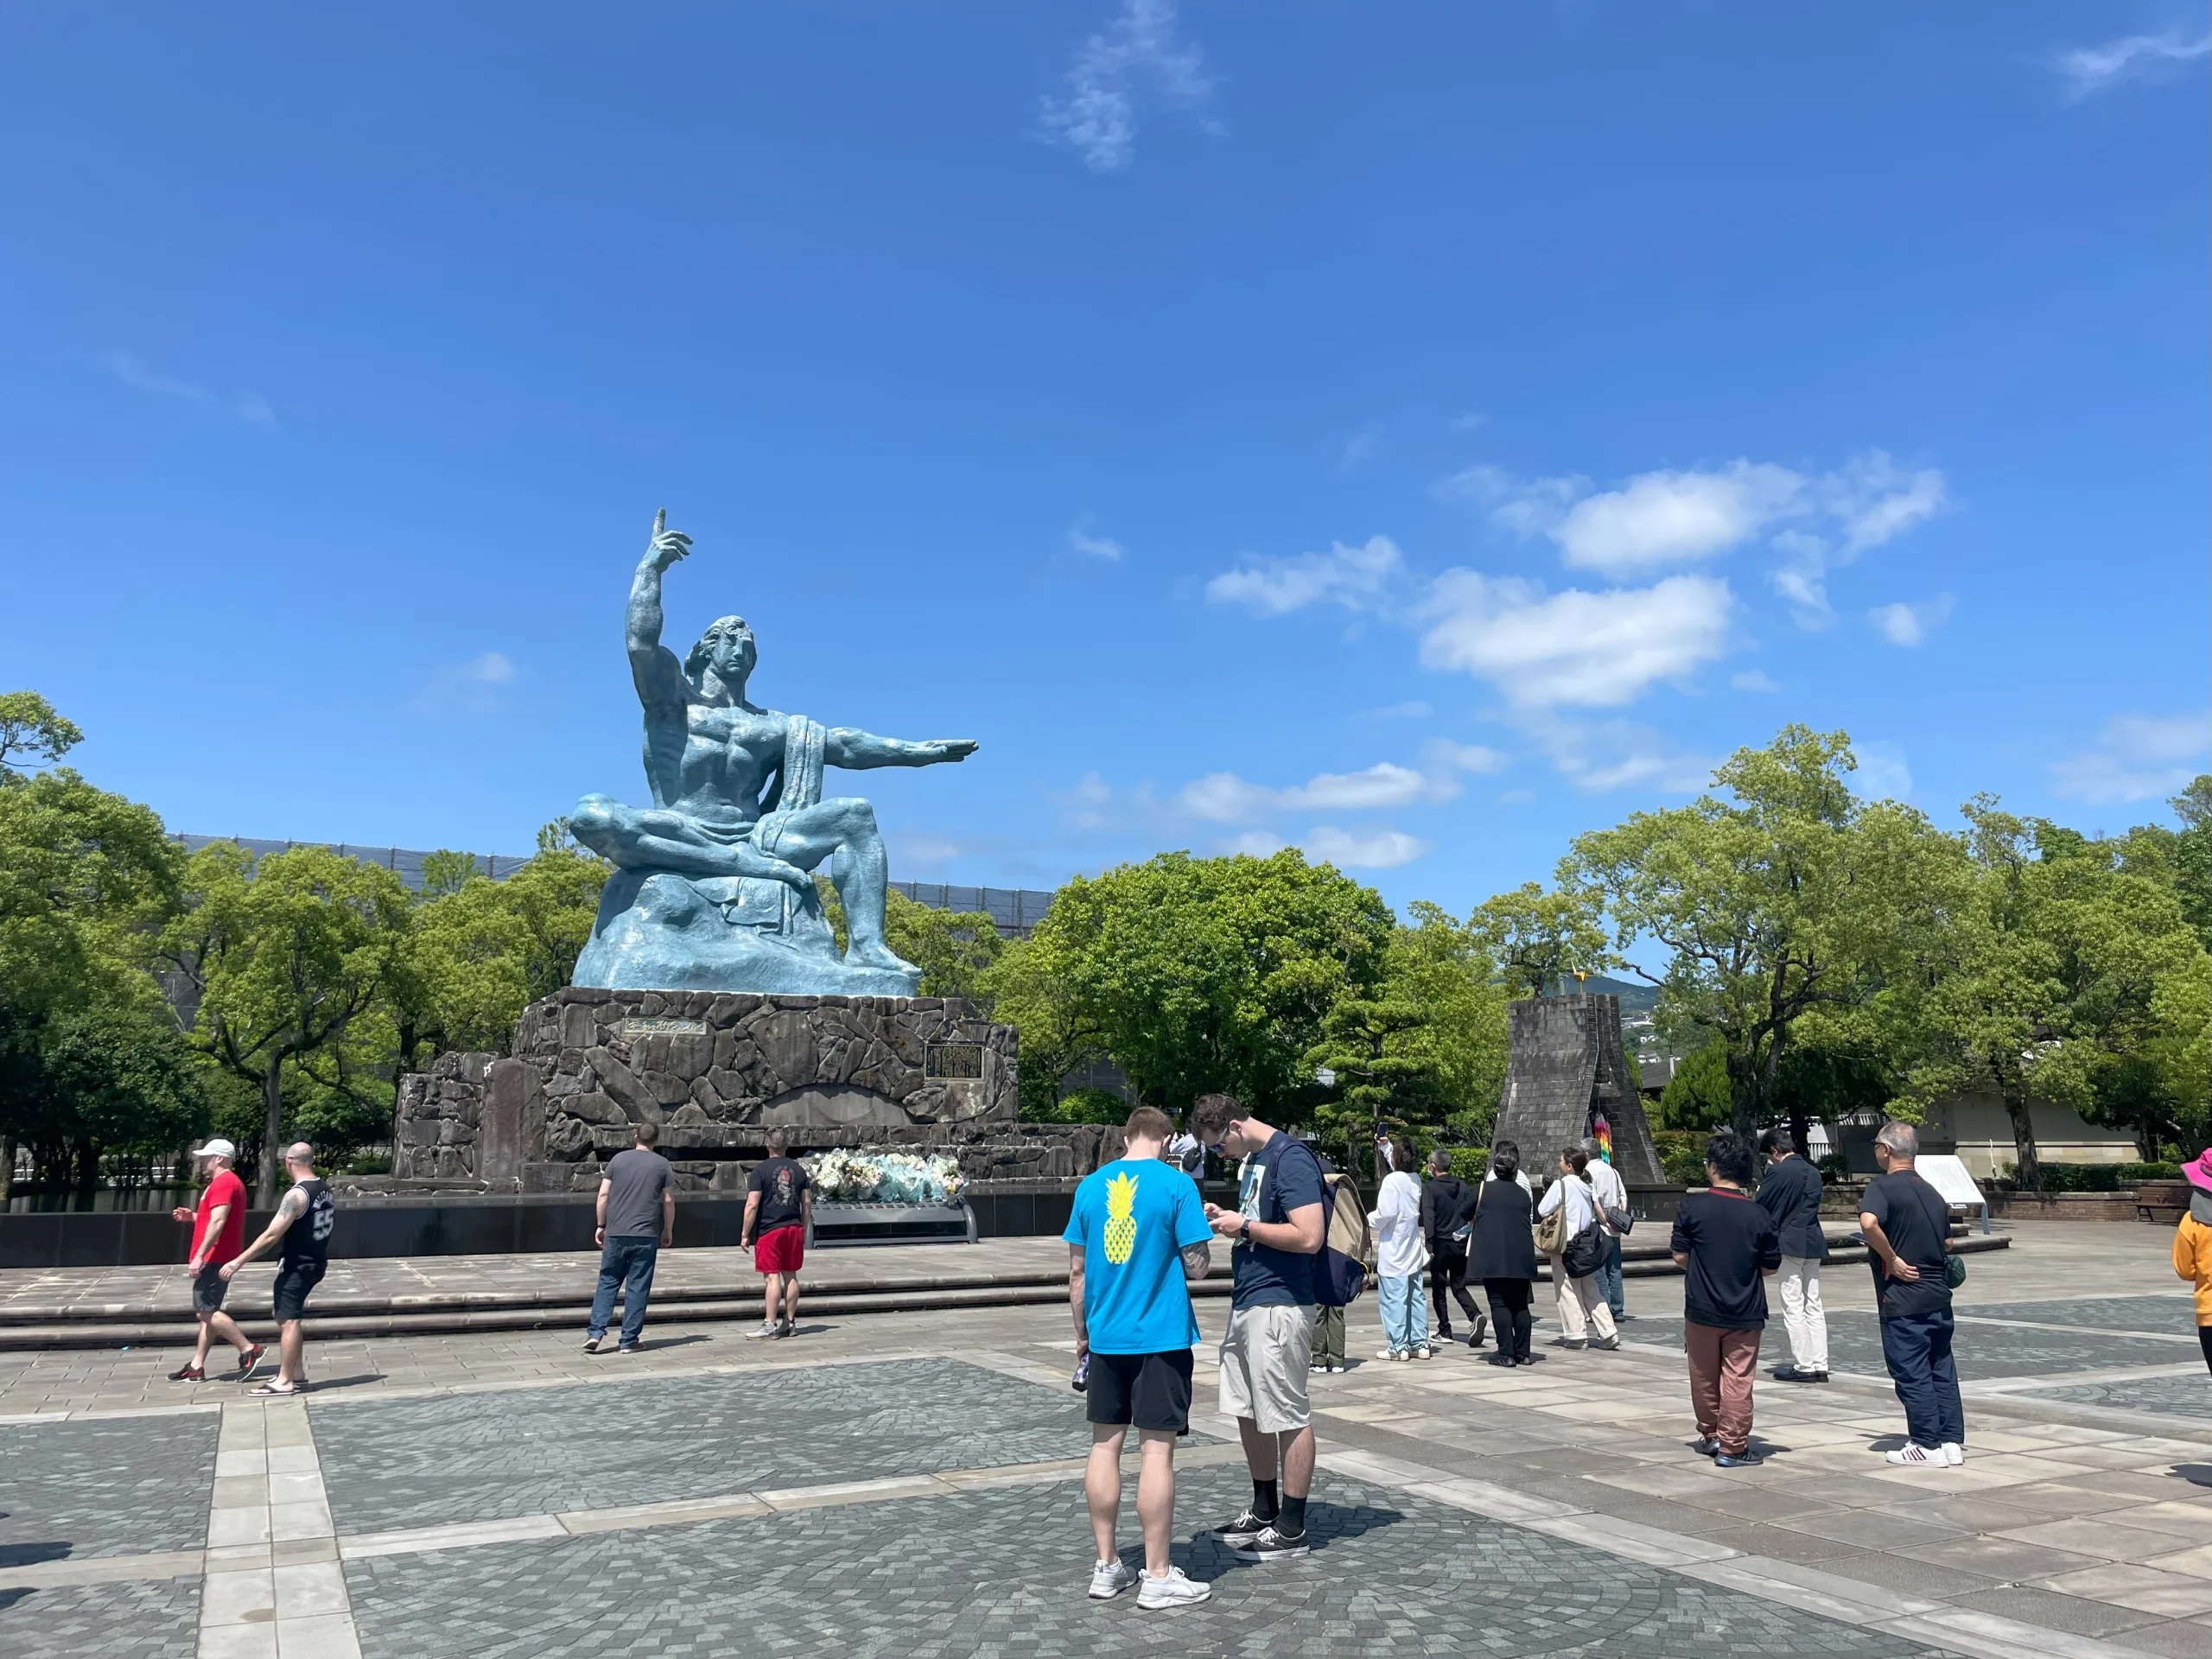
[[1109, 1579], [1424, 1353], [1912, 1456], [1954, 1454], [1176, 1590]]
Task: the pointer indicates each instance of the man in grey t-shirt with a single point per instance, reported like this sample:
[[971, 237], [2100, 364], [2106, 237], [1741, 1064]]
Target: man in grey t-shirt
[[637, 1220]]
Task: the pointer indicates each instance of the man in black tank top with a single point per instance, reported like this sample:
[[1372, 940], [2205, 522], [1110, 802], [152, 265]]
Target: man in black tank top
[[303, 1224]]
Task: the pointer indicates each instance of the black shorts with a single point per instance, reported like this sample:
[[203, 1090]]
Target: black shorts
[[293, 1283], [208, 1288], [1143, 1390]]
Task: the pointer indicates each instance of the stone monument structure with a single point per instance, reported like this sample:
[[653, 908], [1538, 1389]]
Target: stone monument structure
[[712, 889], [1565, 1064], [711, 998]]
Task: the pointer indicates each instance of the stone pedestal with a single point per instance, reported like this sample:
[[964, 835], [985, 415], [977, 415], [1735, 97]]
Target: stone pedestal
[[716, 1071], [1565, 1062]]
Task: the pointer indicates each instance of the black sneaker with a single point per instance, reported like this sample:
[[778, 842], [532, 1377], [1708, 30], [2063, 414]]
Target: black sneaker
[[1706, 1448], [1273, 1546], [1746, 1459], [1242, 1530]]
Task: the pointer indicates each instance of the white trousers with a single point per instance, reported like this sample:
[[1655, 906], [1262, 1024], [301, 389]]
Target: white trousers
[[1802, 1317], [1582, 1309]]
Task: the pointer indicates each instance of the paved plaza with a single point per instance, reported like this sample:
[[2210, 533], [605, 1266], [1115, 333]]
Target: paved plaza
[[908, 1483]]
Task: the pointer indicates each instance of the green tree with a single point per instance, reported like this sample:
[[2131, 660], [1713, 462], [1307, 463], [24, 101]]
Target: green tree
[[1790, 897], [1442, 968], [1197, 974], [1029, 988], [1376, 1053], [1536, 939], [2062, 972], [116, 1078], [1698, 1096], [282, 956], [32, 734], [955, 950]]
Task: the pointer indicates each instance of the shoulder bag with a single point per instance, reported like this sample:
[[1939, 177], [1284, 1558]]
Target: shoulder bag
[[1551, 1230]]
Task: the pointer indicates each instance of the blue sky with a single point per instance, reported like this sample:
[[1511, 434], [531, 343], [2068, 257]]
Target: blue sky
[[1413, 433]]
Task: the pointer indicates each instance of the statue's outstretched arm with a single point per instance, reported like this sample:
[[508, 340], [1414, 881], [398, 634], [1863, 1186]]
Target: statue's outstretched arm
[[858, 751], [659, 677]]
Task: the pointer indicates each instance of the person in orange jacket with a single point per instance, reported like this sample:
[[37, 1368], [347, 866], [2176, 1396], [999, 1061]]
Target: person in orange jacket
[[2193, 1246]]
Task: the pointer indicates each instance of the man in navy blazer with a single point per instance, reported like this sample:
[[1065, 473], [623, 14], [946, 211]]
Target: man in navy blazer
[[1790, 1192]]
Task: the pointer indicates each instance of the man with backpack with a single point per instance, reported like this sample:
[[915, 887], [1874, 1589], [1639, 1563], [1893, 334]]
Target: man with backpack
[[1279, 1226], [1905, 1222]]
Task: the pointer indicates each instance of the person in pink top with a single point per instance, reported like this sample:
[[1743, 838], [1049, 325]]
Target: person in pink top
[[217, 1235]]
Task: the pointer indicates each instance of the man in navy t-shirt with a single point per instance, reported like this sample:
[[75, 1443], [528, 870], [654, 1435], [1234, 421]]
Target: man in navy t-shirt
[[1279, 1223], [1137, 1236]]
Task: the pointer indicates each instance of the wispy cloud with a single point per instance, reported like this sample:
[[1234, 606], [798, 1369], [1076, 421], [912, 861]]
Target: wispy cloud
[[1752, 679], [248, 406], [1095, 547], [475, 687], [1595, 756], [1368, 577], [1224, 798], [1414, 708], [1662, 519], [1137, 60], [2138, 757], [2089, 70], [1909, 624], [923, 849], [1883, 774], [1591, 649], [1377, 850], [1361, 448]]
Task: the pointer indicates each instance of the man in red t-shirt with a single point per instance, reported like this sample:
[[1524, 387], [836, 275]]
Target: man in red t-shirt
[[217, 1235]]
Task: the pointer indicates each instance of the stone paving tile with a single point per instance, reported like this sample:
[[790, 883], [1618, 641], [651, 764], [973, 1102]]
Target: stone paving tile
[[1985, 1352], [1004, 1573], [2175, 1314], [388, 1464], [135, 1620], [126, 1486], [2177, 1396]]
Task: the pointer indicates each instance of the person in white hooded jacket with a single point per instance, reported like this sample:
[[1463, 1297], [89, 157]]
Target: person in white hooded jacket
[[1400, 1253]]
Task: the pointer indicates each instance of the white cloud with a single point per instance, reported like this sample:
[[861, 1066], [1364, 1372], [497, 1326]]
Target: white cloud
[[1224, 798], [1574, 647], [1442, 757], [1753, 680], [474, 687], [1096, 546], [1361, 578], [1084, 807], [1415, 708], [2138, 757], [248, 406], [1600, 755], [1664, 518], [1869, 501], [1257, 842], [2091, 69], [1137, 59], [1378, 849], [1467, 422], [1883, 774], [1909, 624]]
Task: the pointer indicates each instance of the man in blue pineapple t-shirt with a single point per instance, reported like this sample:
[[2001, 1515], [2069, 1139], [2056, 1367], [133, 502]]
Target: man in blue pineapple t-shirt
[[1136, 1238]]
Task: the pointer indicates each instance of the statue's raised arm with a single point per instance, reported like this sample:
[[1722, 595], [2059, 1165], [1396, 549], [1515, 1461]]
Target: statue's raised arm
[[658, 675]]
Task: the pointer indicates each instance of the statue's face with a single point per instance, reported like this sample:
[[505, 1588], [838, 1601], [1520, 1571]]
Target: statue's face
[[727, 647]]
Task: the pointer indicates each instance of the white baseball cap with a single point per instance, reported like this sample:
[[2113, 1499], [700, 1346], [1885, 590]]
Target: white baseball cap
[[217, 1147]]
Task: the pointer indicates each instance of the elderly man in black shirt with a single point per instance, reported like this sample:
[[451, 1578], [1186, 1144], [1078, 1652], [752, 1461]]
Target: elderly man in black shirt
[[1725, 1244], [1790, 1192], [1905, 1222]]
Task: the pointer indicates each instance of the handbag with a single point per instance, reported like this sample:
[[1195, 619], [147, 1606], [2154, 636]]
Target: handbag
[[1551, 1230], [1955, 1270], [1619, 1220]]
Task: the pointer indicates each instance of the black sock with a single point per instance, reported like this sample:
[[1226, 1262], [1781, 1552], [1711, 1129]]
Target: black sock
[[1292, 1522], [1263, 1499]]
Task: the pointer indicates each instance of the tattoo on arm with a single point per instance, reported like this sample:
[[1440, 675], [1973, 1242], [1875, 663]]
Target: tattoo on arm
[[1197, 1260], [293, 1203]]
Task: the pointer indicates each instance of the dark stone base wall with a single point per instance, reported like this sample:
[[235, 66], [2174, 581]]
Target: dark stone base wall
[[716, 1073]]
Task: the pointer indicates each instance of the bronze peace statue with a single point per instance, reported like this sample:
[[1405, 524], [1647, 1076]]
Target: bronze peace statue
[[713, 888]]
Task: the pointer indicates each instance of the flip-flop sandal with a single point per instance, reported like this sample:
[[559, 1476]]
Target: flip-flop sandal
[[272, 1390]]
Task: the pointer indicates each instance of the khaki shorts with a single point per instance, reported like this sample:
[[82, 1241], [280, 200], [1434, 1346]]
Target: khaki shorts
[[1263, 1364]]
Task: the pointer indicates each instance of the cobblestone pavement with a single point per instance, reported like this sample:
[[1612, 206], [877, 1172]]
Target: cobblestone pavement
[[129, 1486], [2172, 1315], [2188, 1395], [130, 1620], [1006, 1572], [475, 1456], [1984, 1349]]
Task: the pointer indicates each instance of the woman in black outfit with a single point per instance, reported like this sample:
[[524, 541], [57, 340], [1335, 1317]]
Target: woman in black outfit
[[1503, 1253]]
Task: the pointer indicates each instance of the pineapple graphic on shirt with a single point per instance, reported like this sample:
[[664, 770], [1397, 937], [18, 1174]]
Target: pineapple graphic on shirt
[[1121, 1218]]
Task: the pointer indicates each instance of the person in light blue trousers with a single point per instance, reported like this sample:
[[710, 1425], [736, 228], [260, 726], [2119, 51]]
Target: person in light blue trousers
[[1400, 1255]]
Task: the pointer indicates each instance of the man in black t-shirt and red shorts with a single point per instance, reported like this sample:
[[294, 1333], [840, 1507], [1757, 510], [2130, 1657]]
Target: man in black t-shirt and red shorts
[[779, 1199]]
